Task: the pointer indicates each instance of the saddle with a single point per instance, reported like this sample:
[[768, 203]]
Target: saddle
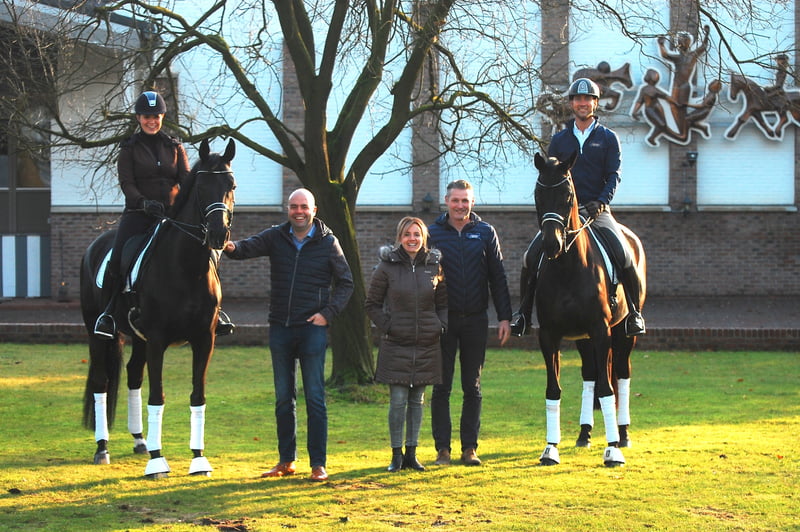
[[134, 256]]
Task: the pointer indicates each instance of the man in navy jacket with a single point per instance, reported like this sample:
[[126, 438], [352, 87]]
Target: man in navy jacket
[[473, 268], [305, 258]]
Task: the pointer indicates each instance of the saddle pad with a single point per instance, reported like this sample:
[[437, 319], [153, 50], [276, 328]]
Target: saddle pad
[[133, 275], [612, 272], [130, 279]]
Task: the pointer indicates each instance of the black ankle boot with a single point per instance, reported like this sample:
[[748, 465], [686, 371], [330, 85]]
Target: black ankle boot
[[410, 459], [397, 460]]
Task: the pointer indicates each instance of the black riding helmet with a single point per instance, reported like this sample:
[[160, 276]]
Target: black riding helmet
[[584, 86], [150, 103]]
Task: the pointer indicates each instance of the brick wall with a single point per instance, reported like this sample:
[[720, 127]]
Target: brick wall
[[698, 254]]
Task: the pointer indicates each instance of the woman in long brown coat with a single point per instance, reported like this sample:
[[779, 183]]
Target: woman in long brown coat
[[407, 301]]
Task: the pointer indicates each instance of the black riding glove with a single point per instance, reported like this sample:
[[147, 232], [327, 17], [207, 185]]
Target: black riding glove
[[594, 208], [153, 208]]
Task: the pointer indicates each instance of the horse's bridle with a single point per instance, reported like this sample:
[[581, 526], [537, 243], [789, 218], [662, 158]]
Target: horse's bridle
[[572, 234], [205, 213]]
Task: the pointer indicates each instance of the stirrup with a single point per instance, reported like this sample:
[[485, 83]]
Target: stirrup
[[518, 325], [224, 324], [101, 326], [634, 324]]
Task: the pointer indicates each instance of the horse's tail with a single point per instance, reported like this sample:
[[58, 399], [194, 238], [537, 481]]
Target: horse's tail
[[105, 356], [106, 365]]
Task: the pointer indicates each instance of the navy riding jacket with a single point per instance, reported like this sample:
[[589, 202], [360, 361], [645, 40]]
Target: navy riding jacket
[[473, 266], [596, 172]]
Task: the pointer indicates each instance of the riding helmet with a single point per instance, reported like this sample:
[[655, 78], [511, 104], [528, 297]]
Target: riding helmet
[[584, 86], [150, 103]]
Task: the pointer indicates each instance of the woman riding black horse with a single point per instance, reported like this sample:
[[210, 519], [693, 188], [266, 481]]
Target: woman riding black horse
[[151, 166]]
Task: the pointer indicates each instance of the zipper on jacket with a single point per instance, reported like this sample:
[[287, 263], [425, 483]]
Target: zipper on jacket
[[291, 288]]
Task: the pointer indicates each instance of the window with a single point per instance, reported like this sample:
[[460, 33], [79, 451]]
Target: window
[[24, 183]]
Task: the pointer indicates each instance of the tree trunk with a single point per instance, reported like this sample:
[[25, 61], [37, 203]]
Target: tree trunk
[[351, 341]]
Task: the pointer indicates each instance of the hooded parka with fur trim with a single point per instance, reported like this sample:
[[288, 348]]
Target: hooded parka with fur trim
[[407, 301]]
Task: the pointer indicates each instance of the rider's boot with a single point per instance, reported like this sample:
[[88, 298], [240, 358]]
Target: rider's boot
[[105, 326], [521, 320], [224, 324], [634, 323]]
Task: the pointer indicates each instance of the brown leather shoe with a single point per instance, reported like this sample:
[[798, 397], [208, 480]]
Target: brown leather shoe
[[281, 470], [443, 457], [469, 457], [318, 474]]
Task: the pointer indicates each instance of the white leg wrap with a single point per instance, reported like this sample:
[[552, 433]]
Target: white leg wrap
[[553, 416], [154, 417], [198, 424], [624, 401], [135, 411], [200, 465], [157, 466], [100, 419], [587, 404], [608, 408]]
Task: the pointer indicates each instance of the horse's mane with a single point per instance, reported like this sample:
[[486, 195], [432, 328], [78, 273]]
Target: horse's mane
[[186, 191], [187, 186]]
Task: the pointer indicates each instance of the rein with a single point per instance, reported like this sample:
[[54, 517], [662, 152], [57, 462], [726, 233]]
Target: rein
[[560, 220]]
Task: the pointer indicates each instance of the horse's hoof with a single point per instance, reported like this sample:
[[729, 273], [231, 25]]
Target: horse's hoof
[[550, 456], [625, 442], [139, 446], [102, 458], [200, 467], [157, 468], [583, 443], [612, 457]]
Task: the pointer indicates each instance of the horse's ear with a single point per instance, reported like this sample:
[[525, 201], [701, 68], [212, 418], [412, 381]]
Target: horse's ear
[[204, 150], [230, 151], [538, 161]]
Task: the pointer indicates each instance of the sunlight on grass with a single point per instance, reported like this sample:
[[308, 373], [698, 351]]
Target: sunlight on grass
[[714, 448]]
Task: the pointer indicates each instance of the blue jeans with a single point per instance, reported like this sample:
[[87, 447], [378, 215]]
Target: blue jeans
[[467, 335], [306, 344]]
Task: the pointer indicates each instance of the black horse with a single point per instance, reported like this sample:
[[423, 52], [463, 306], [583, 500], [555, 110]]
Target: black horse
[[174, 299], [577, 298]]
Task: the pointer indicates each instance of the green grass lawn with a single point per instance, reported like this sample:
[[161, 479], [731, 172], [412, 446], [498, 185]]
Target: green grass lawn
[[714, 448]]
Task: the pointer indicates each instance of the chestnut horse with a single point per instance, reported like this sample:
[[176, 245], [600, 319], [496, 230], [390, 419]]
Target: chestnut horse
[[577, 299]]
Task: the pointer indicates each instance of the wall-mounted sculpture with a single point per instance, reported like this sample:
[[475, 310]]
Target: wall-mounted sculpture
[[674, 115], [555, 106], [765, 104], [685, 116]]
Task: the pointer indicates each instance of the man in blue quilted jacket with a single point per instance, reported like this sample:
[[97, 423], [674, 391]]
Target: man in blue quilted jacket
[[305, 260], [473, 268]]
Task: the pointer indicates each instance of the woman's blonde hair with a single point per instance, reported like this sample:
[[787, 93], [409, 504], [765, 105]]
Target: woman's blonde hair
[[407, 222]]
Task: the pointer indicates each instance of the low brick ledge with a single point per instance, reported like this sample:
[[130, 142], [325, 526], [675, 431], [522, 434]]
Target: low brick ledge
[[656, 339]]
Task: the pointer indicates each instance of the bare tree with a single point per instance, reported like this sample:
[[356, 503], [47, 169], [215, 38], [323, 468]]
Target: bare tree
[[469, 70]]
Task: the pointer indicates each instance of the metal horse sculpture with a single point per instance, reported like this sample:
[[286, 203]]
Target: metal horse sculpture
[[762, 103], [179, 302], [575, 299]]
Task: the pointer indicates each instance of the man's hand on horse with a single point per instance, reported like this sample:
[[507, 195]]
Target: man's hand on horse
[[153, 208], [594, 208]]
